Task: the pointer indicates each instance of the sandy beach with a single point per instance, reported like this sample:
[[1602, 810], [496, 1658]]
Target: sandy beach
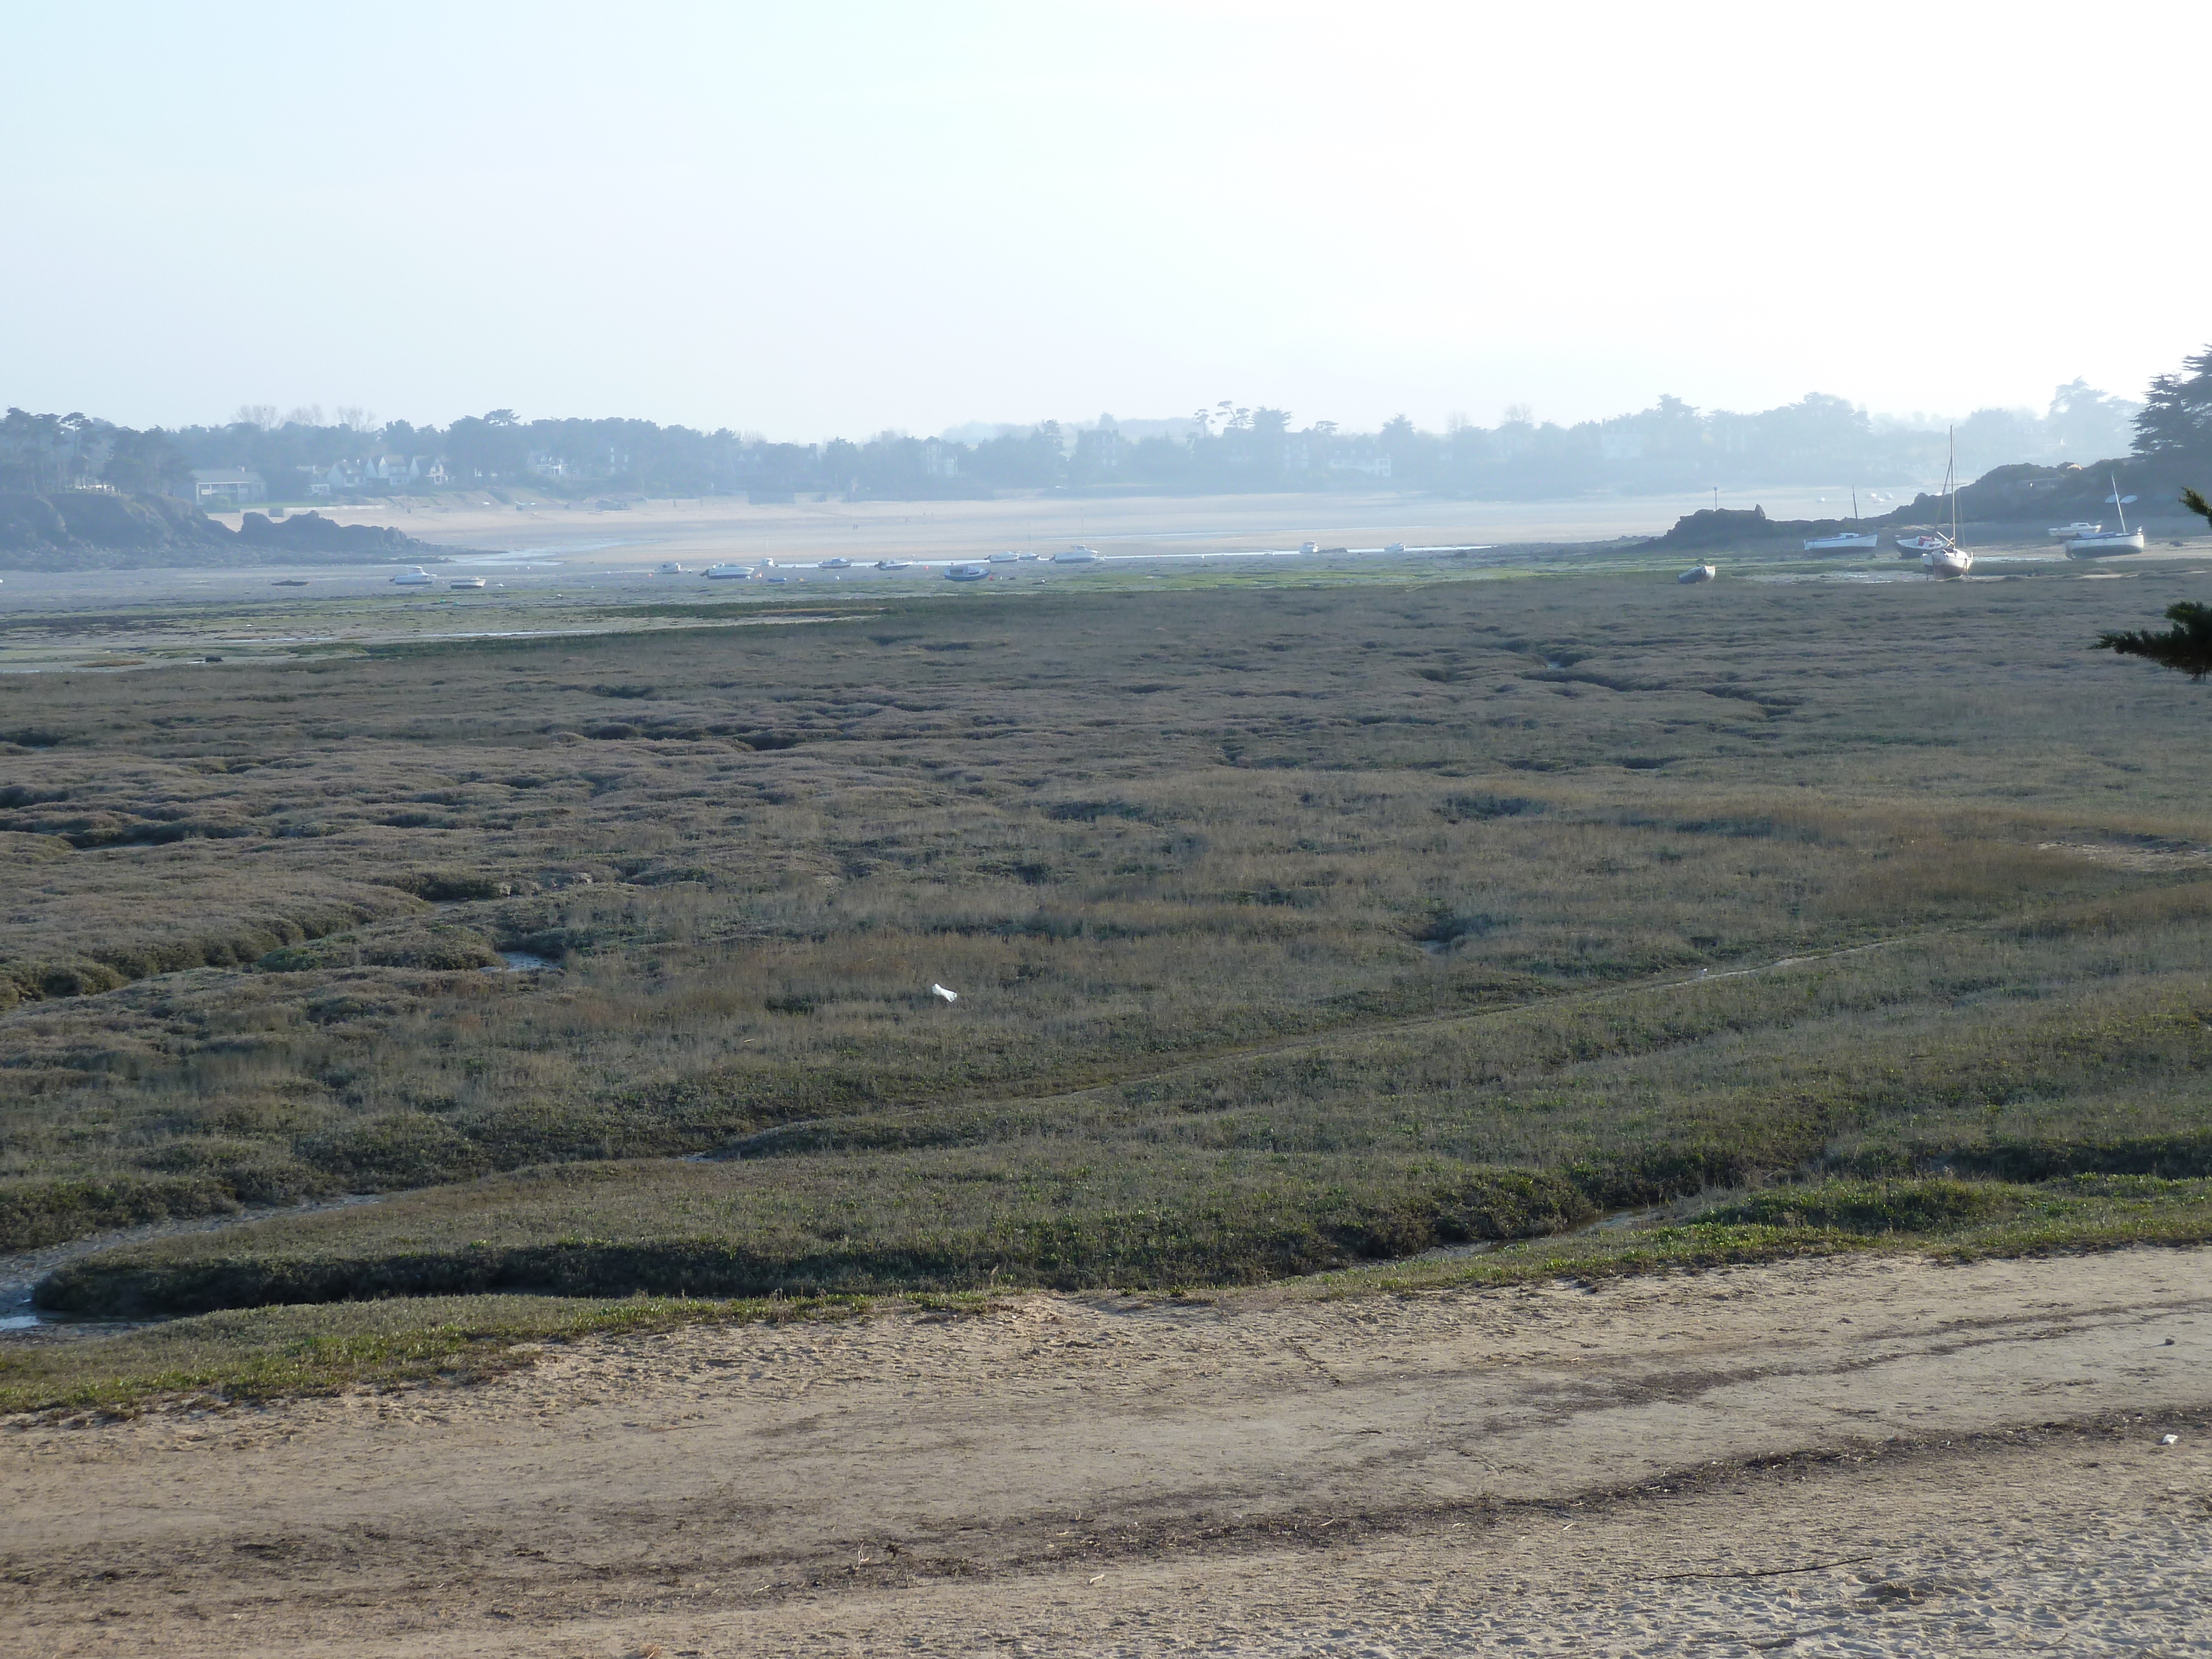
[[1841, 1455]]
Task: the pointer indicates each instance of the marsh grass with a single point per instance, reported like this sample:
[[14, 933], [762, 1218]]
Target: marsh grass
[[1309, 923], [275, 1352]]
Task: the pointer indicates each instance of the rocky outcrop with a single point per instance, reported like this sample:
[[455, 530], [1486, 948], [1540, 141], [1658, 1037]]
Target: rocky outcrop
[[93, 530], [2010, 500]]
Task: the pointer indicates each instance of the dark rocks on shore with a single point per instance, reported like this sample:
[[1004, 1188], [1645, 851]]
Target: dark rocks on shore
[[95, 530], [1712, 529]]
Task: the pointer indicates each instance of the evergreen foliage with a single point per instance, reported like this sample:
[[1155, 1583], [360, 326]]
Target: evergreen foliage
[[2177, 418], [2187, 646]]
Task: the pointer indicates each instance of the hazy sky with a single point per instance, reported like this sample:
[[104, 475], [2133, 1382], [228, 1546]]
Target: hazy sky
[[811, 219]]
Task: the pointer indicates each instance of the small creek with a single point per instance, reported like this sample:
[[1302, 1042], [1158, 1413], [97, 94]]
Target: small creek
[[19, 1272]]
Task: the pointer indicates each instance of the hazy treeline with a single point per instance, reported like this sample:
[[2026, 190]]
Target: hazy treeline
[[1668, 446]]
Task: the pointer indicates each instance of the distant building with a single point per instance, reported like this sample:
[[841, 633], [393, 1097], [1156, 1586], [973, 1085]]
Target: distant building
[[227, 485], [939, 459], [339, 478], [1375, 466], [548, 466]]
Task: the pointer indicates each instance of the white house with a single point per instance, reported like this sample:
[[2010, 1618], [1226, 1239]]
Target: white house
[[227, 485], [340, 476]]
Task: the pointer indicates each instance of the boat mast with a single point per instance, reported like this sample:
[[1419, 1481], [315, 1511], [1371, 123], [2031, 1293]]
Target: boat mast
[[2114, 478], [1951, 484]]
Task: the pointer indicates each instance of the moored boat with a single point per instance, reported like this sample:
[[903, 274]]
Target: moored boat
[[2105, 542], [2100, 542], [1946, 557], [1846, 541], [1698, 572]]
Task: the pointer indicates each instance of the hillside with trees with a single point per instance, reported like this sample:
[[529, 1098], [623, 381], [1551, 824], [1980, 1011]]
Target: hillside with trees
[[351, 458]]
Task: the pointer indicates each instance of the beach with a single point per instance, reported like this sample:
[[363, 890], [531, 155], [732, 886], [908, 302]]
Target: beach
[[1888, 1454]]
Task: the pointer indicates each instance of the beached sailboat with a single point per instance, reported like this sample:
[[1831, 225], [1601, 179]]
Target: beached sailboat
[[1948, 558], [2100, 542], [1847, 541]]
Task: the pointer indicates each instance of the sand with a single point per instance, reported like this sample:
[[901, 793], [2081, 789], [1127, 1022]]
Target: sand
[[1847, 1456]]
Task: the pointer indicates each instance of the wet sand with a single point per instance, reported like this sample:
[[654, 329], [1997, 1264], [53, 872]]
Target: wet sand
[[1884, 1455]]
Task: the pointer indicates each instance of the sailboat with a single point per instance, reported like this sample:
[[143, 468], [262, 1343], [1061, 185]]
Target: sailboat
[[1848, 541], [1948, 558], [2101, 541]]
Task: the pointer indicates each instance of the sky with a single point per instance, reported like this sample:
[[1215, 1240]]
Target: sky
[[834, 219]]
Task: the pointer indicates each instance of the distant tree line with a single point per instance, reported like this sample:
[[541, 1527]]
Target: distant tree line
[[1670, 447]]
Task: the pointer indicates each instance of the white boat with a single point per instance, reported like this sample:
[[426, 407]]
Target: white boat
[[1006, 558], [1948, 558], [727, 573], [669, 569], [414, 576], [1698, 572], [2101, 541], [2105, 541], [836, 564], [1396, 547], [1076, 555], [1912, 547], [1848, 541], [2067, 533], [466, 581], [890, 564], [1308, 547], [965, 572]]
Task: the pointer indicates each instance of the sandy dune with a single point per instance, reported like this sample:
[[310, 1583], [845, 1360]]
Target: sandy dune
[[1836, 1456]]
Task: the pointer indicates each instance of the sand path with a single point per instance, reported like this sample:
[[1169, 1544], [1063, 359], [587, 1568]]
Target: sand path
[[1702, 1463]]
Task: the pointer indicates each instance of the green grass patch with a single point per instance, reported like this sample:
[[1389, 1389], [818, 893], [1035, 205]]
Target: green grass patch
[[1951, 1219], [266, 1353], [271, 1353]]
